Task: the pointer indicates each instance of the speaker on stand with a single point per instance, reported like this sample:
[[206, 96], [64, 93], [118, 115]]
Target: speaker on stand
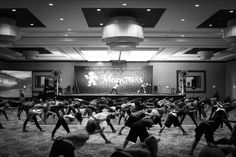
[[155, 88], [193, 85]]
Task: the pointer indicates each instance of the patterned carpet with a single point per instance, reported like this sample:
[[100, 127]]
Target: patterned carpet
[[15, 143]]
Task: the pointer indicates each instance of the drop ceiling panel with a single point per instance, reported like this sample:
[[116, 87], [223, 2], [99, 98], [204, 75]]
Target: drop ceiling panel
[[165, 53], [142, 16], [219, 19], [22, 16], [72, 52], [165, 33]]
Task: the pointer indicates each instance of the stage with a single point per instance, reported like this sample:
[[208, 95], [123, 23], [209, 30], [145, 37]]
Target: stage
[[87, 96]]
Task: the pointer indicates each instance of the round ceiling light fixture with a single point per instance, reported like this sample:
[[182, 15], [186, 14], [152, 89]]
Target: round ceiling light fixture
[[9, 32], [205, 55], [230, 33], [30, 54], [122, 33]]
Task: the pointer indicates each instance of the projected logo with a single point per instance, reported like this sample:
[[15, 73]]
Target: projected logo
[[91, 77], [101, 79], [122, 80]]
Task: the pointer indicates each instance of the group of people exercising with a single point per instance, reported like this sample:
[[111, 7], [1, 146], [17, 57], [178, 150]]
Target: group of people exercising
[[139, 115]]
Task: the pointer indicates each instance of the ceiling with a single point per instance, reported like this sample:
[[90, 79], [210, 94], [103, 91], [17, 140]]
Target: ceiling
[[174, 30]]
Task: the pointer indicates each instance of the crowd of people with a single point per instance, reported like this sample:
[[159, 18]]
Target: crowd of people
[[136, 114]]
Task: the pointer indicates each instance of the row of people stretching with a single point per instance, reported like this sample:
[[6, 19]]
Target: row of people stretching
[[138, 116], [139, 121]]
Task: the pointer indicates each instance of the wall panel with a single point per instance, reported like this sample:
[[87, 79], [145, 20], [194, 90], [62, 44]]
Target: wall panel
[[164, 73]]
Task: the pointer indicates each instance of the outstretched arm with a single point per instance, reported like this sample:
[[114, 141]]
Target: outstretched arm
[[69, 116], [212, 145], [227, 120]]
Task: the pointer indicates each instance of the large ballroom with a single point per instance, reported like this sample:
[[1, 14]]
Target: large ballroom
[[116, 75]]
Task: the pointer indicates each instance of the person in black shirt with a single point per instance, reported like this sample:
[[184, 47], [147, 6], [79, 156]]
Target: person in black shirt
[[133, 117], [21, 95], [21, 106], [173, 119], [148, 148], [32, 113], [208, 128], [216, 95], [190, 110], [224, 147], [138, 129], [66, 145], [62, 122]]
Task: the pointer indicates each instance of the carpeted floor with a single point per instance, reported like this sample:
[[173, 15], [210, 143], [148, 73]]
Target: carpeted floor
[[15, 143]]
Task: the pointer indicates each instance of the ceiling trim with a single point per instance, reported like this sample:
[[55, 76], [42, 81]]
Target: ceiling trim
[[97, 42], [153, 61]]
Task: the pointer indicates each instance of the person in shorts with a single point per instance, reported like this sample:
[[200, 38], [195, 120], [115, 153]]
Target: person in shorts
[[138, 129], [93, 124], [173, 119]]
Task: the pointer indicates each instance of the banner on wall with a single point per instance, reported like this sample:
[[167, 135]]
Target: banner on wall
[[101, 79]]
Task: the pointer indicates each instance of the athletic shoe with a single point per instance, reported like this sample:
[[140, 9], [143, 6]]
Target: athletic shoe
[[108, 142]]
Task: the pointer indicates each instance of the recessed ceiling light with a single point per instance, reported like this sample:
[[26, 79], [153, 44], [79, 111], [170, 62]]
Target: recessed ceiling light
[[182, 35], [98, 9], [231, 11], [69, 29], [148, 9], [66, 35], [197, 5], [182, 20], [61, 19], [50, 4], [210, 25], [101, 24], [124, 4], [31, 24], [14, 10]]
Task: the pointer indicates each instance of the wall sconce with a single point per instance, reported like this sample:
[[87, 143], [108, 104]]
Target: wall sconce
[[214, 86]]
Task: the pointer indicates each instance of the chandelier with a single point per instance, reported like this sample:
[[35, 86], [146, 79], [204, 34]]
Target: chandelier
[[205, 55], [230, 33], [122, 33], [30, 54], [9, 32]]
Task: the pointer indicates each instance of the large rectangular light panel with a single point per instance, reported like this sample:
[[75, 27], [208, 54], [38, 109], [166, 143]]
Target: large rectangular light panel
[[140, 55], [96, 55]]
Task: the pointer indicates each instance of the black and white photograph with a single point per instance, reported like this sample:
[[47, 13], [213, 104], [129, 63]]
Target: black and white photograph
[[112, 78]]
